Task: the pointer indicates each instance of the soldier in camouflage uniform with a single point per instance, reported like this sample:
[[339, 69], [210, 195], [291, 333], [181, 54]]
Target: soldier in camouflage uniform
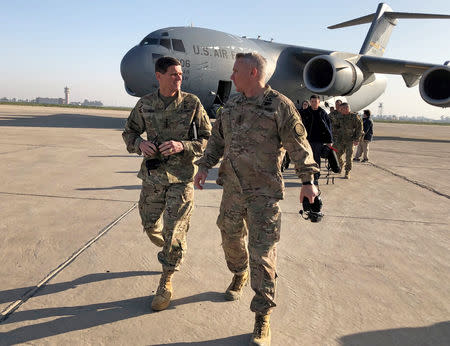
[[250, 133], [347, 130], [335, 111], [177, 130]]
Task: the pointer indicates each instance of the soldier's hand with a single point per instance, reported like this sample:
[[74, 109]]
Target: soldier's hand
[[148, 148], [199, 179], [309, 191], [171, 148]]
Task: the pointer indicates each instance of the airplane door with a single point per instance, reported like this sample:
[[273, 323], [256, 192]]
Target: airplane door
[[223, 92]]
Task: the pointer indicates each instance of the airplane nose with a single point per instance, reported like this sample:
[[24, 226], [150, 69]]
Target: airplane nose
[[138, 72]]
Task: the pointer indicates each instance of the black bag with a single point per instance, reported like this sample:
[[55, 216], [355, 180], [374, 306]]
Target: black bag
[[330, 154]]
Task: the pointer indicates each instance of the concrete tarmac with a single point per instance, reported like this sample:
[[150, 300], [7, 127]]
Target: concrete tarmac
[[77, 269]]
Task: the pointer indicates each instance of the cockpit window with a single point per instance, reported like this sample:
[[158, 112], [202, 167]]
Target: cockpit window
[[149, 41], [165, 33], [165, 42], [178, 45]]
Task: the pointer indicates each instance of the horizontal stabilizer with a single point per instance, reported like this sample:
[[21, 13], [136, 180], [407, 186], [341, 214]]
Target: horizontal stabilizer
[[383, 22], [353, 22], [391, 15], [406, 15]]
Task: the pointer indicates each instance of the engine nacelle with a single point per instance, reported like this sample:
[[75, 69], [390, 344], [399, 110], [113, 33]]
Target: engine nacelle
[[333, 76], [434, 86]]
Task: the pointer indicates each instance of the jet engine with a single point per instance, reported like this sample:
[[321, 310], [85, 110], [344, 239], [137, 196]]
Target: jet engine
[[333, 76], [434, 86]]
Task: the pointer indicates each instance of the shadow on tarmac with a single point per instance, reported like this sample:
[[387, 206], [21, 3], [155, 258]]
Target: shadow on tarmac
[[434, 335], [68, 319], [74, 318], [211, 186], [292, 184], [81, 121], [242, 339], [214, 297], [12, 295]]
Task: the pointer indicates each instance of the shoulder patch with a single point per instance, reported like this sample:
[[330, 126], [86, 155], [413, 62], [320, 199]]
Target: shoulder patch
[[299, 129]]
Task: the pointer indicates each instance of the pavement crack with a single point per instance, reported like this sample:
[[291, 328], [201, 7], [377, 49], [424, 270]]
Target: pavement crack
[[31, 292], [64, 197], [19, 150], [426, 187], [343, 217]]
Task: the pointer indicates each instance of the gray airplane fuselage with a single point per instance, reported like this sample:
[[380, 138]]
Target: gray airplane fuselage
[[207, 58]]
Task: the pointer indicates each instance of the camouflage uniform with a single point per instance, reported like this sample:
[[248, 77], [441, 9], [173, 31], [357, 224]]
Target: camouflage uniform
[[168, 190], [346, 130], [250, 135]]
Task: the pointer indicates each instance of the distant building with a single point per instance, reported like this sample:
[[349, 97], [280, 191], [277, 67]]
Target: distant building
[[55, 101], [92, 103], [48, 100]]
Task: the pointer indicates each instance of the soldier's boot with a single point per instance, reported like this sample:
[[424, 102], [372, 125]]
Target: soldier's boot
[[155, 237], [347, 175], [164, 292], [234, 291], [261, 333]]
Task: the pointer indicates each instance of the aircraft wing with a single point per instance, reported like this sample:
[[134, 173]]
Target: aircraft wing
[[376, 64], [411, 71], [339, 73], [369, 63]]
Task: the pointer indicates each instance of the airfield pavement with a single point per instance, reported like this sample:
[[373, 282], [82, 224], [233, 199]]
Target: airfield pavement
[[375, 271]]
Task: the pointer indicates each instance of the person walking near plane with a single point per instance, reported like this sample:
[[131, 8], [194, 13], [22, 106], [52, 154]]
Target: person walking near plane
[[249, 134], [177, 129], [335, 110], [318, 128], [347, 130], [286, 159], [363, 146], [304, 105]]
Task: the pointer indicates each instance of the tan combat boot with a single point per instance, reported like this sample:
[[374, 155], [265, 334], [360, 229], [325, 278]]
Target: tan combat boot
[[347, 175], [161, 300], [234, 291], [261, 333], [155, 237]]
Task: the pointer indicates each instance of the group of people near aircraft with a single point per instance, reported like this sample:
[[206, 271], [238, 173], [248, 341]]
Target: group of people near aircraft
[[250, 135], [338, 130]]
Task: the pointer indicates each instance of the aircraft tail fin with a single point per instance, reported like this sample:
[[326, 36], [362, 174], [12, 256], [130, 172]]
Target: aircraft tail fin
[[383, 22]]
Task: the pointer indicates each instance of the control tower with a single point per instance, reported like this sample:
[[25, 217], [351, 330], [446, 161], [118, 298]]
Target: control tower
[[66, 92]]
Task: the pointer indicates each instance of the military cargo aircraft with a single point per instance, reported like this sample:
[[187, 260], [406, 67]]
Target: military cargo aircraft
[[207, 57]]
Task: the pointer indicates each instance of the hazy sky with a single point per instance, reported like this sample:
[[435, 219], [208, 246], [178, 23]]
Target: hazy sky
[[48, 44]]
